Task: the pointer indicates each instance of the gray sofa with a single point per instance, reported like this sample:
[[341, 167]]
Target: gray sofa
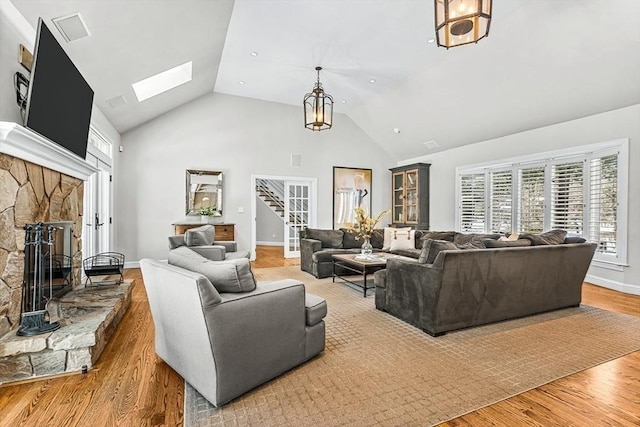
[[460, 288], [226, 343], [317, 246]]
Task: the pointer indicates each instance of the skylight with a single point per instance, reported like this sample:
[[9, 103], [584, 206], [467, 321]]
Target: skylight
[[162, 82]]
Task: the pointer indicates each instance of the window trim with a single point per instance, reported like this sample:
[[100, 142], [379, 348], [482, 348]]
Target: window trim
[[547, 158]]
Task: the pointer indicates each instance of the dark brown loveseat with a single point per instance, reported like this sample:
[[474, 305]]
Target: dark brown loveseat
[[460, 288]]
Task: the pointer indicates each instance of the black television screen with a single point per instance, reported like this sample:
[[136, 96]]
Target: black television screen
[[59, 98]]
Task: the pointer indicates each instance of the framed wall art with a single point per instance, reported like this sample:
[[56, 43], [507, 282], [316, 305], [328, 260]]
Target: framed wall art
[[351, 188]]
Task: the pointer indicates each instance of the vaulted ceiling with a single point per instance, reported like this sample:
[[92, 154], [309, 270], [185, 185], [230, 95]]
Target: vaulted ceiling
[[544, 62]]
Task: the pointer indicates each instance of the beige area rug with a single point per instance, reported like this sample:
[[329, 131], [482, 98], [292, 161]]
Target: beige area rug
[[378, 370]]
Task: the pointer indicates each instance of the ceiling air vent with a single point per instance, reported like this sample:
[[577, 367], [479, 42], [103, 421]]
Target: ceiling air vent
[[431, 144], [72, 27], [116, 102]]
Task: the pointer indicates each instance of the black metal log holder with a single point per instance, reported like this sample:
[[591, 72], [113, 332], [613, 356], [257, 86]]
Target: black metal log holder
[[36, 292]]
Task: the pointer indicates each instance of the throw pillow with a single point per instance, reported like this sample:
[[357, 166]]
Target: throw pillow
[[377, 238], [200, 236], [574, 239], [232, 276], [403, 240], [490, 243], [388, 236], [473, 240], [422, 235], [553, 237], [329, 238], [431, 248]]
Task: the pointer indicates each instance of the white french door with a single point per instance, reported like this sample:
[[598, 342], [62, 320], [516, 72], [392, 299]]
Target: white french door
[[297, 206], [96, 236]]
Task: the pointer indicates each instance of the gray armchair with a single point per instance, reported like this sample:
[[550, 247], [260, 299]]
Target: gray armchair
[[225, 344], [201, 240]]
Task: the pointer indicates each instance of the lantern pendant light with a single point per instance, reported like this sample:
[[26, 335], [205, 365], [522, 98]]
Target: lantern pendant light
[[318, 107], [460, 22]]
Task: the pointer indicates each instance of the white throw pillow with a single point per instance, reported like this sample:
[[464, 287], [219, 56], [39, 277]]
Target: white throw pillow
[[388, 236], [403, 240]]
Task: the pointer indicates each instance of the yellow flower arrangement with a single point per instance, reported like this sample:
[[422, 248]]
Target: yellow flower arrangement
[[364, 225]]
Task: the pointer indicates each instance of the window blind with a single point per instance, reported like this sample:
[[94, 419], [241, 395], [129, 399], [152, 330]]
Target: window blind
[[530, 215], [472, 203], [501, 202], [567, 197], [603, 196]]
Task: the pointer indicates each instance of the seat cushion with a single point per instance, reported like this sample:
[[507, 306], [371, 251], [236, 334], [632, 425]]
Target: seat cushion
[[234, 276], [325, 254], [490, 243], [200, 236], [315, 308], [409, 253]]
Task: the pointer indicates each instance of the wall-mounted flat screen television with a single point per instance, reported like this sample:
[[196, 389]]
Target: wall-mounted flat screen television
[[59, 99]]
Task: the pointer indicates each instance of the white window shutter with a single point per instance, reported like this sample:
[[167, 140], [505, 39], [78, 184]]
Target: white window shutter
[[567, 197], [501, 204], [530, 215], [472, 203]]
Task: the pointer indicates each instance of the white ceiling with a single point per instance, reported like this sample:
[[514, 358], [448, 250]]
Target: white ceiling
[[544, 62]]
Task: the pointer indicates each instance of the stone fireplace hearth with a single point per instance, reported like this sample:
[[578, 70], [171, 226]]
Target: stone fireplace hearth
[[42, 182]]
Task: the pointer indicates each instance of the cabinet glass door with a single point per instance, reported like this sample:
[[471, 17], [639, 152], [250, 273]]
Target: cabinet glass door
[[398, 197], [411, 196]]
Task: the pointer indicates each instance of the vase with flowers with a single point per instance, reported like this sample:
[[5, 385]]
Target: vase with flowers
[[363, 227]]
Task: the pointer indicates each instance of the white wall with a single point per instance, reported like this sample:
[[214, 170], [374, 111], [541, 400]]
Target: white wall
[[612, 125], [240, 137], [269, 225]]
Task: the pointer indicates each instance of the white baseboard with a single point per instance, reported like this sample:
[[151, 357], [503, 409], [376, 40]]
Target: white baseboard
[[132, 264], [269, 243], [612, 284]]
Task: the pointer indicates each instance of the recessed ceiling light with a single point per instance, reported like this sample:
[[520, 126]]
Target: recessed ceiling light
[[431, 40], [241, 82], [344, 101], [372, 81], [162, 82], [254, 53], [396, 130]]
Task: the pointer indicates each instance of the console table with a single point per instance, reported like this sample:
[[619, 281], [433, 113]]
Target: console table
[[223, 231]]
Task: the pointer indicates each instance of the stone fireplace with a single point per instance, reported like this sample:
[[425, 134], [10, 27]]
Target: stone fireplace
[[42, 182]]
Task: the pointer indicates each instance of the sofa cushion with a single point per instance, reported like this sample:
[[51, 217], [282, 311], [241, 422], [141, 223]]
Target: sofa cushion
[[491, 243], [409, 253], [200, 236], [377, 238], [431, 248], [325, 254], [232, 276], [329, 238], [574, 239], [473, 240], [349, 240], [403, 240], [422, 235], [553, 237], [389, 232], [315, 308]]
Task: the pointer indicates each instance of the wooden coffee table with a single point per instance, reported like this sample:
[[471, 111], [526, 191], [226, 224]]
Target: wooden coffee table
[[360, 266]]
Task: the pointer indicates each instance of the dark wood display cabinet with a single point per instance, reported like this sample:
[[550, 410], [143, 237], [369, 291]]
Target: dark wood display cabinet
[[410, 196]]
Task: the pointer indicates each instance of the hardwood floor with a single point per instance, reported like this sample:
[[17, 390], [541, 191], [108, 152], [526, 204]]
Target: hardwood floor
[[130, 386]]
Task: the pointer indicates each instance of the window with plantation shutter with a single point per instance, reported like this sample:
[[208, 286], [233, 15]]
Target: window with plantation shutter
[[567, 197], [530, 214], [472, 203], [603, 202], [582, 190], [501, 205]]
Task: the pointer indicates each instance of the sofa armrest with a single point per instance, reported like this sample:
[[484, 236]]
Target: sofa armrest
[[213, 252], [229, 245], [256, 335], [307, 248]]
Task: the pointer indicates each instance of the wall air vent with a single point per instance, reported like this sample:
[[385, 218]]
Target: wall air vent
[[72, 27], [116, 102]]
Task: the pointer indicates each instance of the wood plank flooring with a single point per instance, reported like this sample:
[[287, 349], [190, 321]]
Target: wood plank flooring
[[130, 386]]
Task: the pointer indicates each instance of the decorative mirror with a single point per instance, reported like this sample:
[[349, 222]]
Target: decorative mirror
[[204, 190]]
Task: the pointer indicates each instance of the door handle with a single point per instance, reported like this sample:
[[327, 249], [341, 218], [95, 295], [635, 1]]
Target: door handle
[[98, 223]]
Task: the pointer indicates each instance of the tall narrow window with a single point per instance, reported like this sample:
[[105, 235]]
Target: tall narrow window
[[567, 197], [603, 212], [472, 203], [530, 215], [501, 202]]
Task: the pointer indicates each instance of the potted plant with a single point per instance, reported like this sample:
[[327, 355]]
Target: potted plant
[[205, 213]]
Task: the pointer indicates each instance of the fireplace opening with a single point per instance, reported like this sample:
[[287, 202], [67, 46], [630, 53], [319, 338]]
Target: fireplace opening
[[48, 274]]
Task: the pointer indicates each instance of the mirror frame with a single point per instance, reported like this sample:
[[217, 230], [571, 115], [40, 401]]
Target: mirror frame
[[189, 208]]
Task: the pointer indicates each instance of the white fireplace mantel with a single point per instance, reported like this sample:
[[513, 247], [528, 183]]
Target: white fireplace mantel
[[23, 143]]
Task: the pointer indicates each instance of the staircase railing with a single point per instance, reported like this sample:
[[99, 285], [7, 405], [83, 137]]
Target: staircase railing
[[273, 191]]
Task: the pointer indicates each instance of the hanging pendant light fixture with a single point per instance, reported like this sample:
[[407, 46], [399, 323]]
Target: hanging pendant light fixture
[[318, 107], [460, 22]]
